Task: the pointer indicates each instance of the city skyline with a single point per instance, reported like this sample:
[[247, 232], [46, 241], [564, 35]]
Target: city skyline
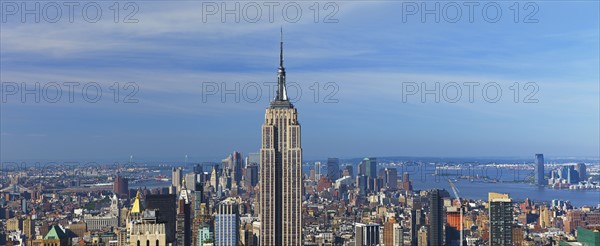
[[397, 124], [171, 119]]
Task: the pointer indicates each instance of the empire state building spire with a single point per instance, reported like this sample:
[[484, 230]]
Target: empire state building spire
[[281, 170], [281, 90], [281, 48]]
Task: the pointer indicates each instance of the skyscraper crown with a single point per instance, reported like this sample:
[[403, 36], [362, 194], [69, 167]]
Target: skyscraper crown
[[281, 98]]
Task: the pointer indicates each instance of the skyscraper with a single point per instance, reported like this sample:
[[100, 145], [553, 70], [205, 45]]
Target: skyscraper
[[165, 204], [333, 169], [227, 224], [539, 169], [361, 184], [24, 209], [251, 175], [414, 227], [423, 237], [362, 168], [392, 233], [453, 225], [253, 158], [176, 178], [191, 179], [544, 219], [581, 169], [366, 235], [406, 183], [349, 170], [281, 170], [214, 177], [370, 167], [121, 187], [237, 166], [501, 219], [198, 198], [318, 170], [436, 218], [398, 235], [390, 178], [569, 174], [198, 169], [183, 220], [28, 228]]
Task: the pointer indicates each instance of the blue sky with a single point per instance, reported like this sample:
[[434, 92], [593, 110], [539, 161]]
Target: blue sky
[[369, 54]]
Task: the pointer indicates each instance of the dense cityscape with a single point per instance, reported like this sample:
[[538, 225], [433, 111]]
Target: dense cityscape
[[274, 197], [343, 204]]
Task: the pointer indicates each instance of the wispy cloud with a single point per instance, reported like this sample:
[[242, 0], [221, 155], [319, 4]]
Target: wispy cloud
[[368, 54]]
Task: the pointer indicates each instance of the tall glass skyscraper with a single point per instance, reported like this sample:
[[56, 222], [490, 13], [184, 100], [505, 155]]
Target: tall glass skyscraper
[[333, 169], [539, 169], [370, 165], [581, 170]]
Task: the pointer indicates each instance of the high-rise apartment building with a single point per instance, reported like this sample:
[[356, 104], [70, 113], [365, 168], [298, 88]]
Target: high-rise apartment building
[[318, 170], [436, 218], [406, 183], [393, 233], [544, 219], [501, 219], [121, 187], [423, 239]]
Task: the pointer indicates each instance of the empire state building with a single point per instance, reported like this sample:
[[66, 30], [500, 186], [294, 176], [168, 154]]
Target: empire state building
[[281, 170]]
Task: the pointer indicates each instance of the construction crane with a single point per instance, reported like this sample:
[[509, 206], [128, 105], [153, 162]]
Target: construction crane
[[455, 190]]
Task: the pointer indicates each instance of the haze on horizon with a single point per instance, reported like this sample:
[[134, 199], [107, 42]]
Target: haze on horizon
[[370, 55]]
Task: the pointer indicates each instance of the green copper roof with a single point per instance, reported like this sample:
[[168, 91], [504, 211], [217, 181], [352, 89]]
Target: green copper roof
[[55, 233]]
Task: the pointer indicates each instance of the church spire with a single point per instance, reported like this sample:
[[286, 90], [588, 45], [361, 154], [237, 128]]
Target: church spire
[[281, 90]]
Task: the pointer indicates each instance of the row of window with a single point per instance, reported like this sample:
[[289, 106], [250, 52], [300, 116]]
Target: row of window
[[147, 243]]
